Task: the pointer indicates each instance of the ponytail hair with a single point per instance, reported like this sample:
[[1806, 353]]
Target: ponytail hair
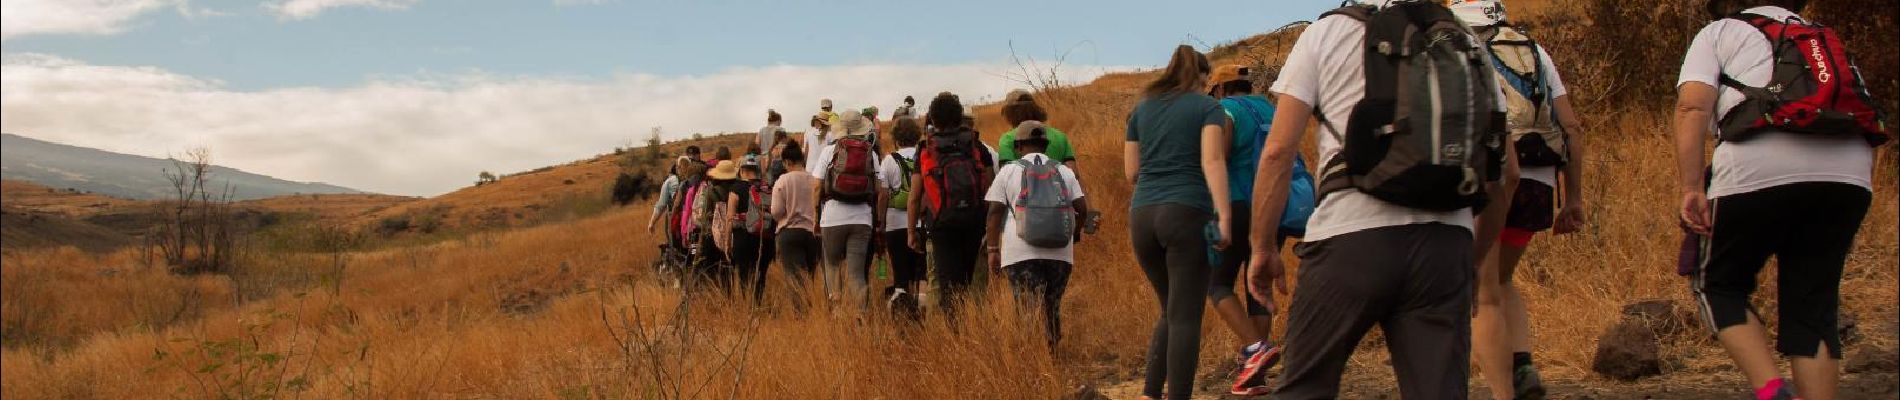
[[1187, 68]]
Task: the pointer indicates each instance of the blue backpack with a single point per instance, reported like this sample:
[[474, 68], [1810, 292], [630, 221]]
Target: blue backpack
[[1300, 199]]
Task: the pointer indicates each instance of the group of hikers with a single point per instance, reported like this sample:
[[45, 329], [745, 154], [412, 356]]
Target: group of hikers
[[1446, 142]]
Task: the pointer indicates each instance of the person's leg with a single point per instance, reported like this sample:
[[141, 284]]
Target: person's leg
[[837, 253], [1342, 293], [1055, 283], [792, 260], [768, 249], [1187, 280], [1429, 331], [1490, 332], [1809, 283], [858, 265], [906, 263], [745, 260], [1231, 308], [955, 252], [1153, 259], [1744, 235], [1517, 315]]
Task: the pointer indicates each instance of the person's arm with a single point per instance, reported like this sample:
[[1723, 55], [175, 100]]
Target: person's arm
[[1270, 192], [1214, 168], [1571, 218], [777, 207], [1488, 224], [1131, 153], [732, 204], [1081, 206], [1695, 102], [994, 234]]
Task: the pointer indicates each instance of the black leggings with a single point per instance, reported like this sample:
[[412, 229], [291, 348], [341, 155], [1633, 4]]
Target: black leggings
[[745, 259], [1169, 245], [798, 254], [907, 265], [954, 250]]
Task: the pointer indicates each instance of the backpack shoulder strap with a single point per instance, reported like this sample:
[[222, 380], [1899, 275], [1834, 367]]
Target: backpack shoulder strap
[[1260, 120], [1357, 12]]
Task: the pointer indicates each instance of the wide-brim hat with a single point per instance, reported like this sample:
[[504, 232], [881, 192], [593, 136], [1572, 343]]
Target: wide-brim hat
[[853, 124], [726, 170]]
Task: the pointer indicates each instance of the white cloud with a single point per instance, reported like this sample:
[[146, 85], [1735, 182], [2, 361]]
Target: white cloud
[[307, 9], [93, 17], [431, 134]]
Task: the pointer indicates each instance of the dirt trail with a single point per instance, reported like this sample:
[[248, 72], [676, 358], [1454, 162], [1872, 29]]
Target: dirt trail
[[1681, 386]]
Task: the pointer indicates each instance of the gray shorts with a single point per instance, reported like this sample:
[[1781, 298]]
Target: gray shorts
[[1412, 281]]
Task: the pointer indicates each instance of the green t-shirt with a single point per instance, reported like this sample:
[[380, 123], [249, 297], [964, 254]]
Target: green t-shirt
[[1168, 130], [1058, 150]]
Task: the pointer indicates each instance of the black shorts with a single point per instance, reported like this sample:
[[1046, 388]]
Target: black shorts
[[1239, 250], [1533, 206], [1809, 228]]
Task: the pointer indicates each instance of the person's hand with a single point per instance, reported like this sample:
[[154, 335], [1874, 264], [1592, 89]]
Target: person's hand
[[1225, 233], [1570, 219], [1265, 276], [649, 226], [996, 261], [1695, 212], [916, 242]]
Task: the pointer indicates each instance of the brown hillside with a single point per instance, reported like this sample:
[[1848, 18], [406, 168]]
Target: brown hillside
[[34, 197]]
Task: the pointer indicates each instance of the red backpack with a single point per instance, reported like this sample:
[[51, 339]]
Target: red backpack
[[953, 179], [852, 177], [1815, 89]]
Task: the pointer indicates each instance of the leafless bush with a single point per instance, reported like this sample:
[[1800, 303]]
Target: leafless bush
[[200, 234], [676, 360]]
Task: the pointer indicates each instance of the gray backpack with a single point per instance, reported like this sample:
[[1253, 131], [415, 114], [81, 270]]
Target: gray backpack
[[1044, 216], [1429, 132]]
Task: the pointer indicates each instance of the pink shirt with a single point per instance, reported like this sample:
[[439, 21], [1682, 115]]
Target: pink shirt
[[794, 204]]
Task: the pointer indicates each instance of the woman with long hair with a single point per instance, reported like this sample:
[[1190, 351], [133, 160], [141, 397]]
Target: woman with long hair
[[1175, 153]]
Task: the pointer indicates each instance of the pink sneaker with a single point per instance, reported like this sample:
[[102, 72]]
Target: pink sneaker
[[1252, 379]]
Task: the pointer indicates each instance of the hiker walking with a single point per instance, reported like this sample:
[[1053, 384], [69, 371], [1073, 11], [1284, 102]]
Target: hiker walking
[[1248, 117], [906, 111], [1542, 126], [1390, 243], [794, 207], [953, 170], [1792, 174], [710, 217], [668, 191], [907, 262], [853, 194], [1174, 154], [769, 138], [1035, 206], [747, 204]]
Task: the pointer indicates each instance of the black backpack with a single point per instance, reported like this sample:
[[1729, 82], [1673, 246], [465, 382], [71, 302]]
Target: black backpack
[[957, 177], [1428, 133]]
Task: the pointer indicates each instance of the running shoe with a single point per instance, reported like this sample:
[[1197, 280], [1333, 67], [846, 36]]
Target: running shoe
[[1252, 379], [1529, 385]]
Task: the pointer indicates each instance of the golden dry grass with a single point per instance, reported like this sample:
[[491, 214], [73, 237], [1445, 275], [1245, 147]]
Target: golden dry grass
[[544, 312], [39, 198]]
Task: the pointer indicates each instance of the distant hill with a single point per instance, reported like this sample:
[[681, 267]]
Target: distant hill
[[127, 176]]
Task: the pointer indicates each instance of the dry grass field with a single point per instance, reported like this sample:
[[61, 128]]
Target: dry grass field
[[570, 310]]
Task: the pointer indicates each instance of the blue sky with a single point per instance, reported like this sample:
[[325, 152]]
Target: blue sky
[[413, 96]]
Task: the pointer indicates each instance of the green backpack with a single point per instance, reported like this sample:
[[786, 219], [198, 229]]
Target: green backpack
[[900, 198]]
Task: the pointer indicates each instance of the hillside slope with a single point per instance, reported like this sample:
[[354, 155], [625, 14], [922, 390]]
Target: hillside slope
[[127, 176]]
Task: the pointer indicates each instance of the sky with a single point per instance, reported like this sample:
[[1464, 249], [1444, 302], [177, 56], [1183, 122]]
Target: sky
[[415, 97]]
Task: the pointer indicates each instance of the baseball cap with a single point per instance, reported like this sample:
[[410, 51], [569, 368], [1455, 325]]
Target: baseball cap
[[1031, 132], [824, 103], [1227, 73]]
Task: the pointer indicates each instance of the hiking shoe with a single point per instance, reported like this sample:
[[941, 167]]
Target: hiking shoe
[[1529, 385], [1252, 378], [1785, 391]]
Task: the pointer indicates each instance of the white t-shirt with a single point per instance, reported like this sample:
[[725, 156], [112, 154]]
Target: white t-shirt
[[1326, 68], [837, 213], [1009, 183], [812, 146], [1771, 159], [896, 219]]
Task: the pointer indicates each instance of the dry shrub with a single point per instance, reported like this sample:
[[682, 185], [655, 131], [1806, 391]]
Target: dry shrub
[[56, 298]]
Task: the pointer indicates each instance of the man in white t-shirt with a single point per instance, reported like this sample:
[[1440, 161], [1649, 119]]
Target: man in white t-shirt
[[1797, 197], [1365, 262], [846, 229], [1037, 275]]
